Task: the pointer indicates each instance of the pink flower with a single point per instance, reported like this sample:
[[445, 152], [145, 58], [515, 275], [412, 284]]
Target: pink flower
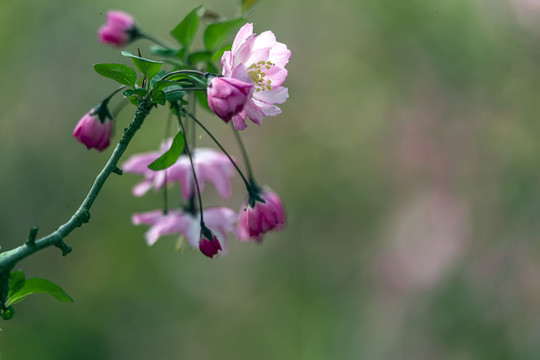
[[219, 220], [118, 30], [210, 165], [264, 59], [259, 218], [93, 132], [227, 96]]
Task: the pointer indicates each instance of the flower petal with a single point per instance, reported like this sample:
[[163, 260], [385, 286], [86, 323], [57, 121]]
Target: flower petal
[[242, 35], [277, 95], [138, 164]]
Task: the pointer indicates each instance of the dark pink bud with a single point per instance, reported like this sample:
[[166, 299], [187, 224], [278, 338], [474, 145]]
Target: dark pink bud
[[117, 30], [92, 132], [227, 96], [265, 216], [209, 247]]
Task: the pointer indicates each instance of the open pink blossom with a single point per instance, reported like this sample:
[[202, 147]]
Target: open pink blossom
[[227, 96], [118, 30], [264, 59], [210, 165], [92, 132], [219, 220], [254, 221]]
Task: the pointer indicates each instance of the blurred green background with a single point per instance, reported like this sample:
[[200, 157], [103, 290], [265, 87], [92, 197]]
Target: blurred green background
[[407, 156]]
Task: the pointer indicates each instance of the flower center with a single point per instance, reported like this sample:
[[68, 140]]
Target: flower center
[[257, 74]]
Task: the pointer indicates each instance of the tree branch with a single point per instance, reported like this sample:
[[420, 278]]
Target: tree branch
[[8, 259]]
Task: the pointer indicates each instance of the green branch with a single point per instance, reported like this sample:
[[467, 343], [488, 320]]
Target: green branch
[[10, 258]]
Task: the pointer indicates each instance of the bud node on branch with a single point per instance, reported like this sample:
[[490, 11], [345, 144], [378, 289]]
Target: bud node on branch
[[83, 216], [31, 241], [66, 249]]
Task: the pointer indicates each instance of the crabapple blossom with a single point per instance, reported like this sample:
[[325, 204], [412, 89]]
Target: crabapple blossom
[[264, 59], [118, 30], [219, 220], [210, 165], [257, 218], [93, 132], [227, 96]]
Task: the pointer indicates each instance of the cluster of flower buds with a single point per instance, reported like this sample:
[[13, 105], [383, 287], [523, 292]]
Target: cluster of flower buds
[[250, 86]]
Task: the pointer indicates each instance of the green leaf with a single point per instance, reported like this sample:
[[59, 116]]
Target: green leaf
[[210, 67], [219, 53], [159, 97], [164, 52], [202, 98], [169, 158], [118, 72], [8, 313], [162, 84], [157, 78], [149, 68], [215, 34], [133, 99], [16, 281], [185, 31], [199, 57], [139, 91], [188, 77], [247, 4], [38, 285], [181, 54], [174, 93]]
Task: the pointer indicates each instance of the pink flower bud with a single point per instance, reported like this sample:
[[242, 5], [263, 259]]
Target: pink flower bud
[[227, 96], [118, 30], [92, 132], [261, 218], [209, 247]]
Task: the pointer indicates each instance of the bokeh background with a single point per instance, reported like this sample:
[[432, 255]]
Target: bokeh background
[[407, 156]]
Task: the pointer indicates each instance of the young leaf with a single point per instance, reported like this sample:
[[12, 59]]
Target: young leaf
[[185, 31], [138, 91], [163, 52], [149, 68], [38, 285], [171, 155], [134, 100], [247, 4], [159, 97], [118, 72], [16, 281], [188, 77], [157, 78], [162, 84], [215, 34], [174, 93]]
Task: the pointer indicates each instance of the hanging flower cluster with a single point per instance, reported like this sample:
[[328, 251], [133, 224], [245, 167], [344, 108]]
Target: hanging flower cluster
[[249, 86]]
